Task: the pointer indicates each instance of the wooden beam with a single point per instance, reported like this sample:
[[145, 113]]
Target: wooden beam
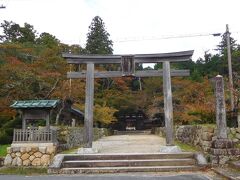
[[138, 58], [146, 73]]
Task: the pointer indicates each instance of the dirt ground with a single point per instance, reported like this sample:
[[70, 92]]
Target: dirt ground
[[129, 144]]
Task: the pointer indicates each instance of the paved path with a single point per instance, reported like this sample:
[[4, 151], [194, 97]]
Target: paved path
[[107, 177], [141, 143]]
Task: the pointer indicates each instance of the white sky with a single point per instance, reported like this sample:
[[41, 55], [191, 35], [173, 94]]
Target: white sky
[[68, 20]]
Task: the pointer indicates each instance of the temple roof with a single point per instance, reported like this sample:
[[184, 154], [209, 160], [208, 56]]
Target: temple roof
[[35, 104]]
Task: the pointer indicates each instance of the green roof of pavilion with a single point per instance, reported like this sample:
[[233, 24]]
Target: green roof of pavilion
[[35, 104]]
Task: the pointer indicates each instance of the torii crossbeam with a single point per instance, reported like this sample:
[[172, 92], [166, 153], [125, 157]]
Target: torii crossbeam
[[128, 69]]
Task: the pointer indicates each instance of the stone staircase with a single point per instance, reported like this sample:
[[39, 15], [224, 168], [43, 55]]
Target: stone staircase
[[120, 163]]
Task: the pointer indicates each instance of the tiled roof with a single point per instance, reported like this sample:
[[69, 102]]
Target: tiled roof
[[35, 104]]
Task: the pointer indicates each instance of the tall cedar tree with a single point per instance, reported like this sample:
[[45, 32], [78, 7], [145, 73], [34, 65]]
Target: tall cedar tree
[[98, 38]]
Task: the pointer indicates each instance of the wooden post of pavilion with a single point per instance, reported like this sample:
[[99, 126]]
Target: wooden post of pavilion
[[128, 69]]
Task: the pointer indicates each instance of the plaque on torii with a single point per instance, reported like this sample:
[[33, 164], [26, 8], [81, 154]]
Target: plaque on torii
[[127, 63]]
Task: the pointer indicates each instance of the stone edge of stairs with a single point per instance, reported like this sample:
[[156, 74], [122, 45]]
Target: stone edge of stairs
[[55, 167]]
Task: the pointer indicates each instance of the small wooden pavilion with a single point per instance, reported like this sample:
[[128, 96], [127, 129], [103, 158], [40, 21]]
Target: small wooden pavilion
[[35, 110]]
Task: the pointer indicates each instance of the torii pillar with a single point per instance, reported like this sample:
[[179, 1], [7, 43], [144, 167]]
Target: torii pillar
[[168, 107]]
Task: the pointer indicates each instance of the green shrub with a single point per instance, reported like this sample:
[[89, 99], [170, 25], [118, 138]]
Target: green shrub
[[4, 137]]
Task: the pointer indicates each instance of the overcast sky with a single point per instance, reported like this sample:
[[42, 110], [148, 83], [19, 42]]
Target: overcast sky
[[68, 20]]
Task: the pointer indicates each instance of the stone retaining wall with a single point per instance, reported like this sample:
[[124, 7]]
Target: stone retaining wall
[[41, 154], [198, 135], [203, 137], [30, 154], [1, 161], [69, 137]]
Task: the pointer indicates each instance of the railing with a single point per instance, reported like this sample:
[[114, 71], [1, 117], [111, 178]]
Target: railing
[[34, 135]]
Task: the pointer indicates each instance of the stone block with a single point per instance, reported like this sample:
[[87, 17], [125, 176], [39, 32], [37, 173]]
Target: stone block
[[235, 140], [223, 160], [26, 162], [51, 150], [228, 130], [238, 130], [15, 149], [218, 152], [18, 154], [45, 160], [234, 151], [233, 131], [30, 153], [206, 136], [237, 136], [208, 129], [8, 160], [214, 138], [32, 157], [36, 162], [214, 159], [13, 155], [25, 156], [9, 150], [23, 150], [206, 149], [17, 161], [38, 154], [42, 150], [28, 149], [14, 161], [222, 143], [34, 149], [206, 143]]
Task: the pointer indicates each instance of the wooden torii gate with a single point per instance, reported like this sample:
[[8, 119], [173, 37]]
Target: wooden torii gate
[[128, 69]]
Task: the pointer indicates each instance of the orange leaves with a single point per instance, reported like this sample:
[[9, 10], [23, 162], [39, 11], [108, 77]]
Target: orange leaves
[[195, 100], [121, 83], [14, 61]]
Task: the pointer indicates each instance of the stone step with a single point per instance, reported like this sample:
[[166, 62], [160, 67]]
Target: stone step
[[126, 169], [127, 163], [129, 156]]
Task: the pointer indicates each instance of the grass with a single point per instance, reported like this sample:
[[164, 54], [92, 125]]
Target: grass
[[3, 150], [70, 151], [187, 147], [205, 125], [23, 171], [237, 146]]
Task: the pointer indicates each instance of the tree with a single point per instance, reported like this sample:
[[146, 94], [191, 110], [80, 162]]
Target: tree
[[47, 40], [11, 31], [98, 38], [223, 44], [15, 33]]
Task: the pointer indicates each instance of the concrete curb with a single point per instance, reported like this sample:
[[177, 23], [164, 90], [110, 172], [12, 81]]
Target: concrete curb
[[224, 174]]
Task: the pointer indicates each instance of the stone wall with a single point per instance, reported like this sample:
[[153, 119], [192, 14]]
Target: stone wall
[[1, 161], [197, 135], [69, 137], [204, 137], [41, 154], [30, 154], [201, 136]]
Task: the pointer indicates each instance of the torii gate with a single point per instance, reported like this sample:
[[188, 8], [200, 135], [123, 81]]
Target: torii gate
[[128, 69]]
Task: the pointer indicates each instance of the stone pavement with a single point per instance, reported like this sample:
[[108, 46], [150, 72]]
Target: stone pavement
[[140, 143], [107, 177]]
